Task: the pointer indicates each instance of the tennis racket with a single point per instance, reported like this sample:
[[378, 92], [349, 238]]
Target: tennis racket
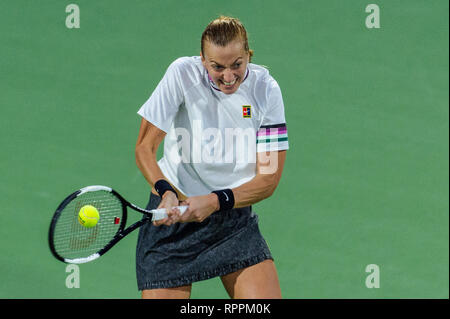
[[70, 242]]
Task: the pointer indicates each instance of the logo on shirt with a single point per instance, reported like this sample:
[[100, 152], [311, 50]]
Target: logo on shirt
[[246, 111]]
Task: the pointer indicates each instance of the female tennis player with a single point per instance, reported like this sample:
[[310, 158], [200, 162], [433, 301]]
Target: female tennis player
[[225, 140]]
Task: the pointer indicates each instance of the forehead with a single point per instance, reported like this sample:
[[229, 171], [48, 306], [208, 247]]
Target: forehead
[[226, 54]]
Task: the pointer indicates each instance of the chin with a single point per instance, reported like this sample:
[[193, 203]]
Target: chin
[[229, 90]]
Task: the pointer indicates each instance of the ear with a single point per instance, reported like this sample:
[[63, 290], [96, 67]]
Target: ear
[[249, 56], [203, 59]]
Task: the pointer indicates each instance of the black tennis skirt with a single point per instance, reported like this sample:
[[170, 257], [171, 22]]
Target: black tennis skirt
[[183, 253]]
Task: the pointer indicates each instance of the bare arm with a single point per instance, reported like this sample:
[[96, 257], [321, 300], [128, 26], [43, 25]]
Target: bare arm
[[269, 167], [149, 139]]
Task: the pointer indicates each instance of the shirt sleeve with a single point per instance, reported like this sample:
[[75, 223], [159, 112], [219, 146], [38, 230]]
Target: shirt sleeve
[[272, 134], [162, 106]]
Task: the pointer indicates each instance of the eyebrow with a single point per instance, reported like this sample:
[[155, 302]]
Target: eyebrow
[[222, 65]]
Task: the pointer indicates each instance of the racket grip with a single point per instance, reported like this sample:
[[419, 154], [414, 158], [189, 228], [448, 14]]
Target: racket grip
[[159, 214]]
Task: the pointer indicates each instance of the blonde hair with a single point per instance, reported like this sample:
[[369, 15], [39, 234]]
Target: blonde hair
[[224, 30]]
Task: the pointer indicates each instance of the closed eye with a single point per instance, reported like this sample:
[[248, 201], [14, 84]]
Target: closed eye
[[219, 67]]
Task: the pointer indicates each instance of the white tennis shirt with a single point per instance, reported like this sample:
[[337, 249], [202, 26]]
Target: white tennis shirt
[[212, 138]]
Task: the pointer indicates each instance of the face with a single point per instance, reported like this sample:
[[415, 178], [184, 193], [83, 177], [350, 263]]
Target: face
[[226, 65]]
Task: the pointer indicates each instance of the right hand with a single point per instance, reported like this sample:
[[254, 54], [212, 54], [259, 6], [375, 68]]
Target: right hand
[[169, 201]]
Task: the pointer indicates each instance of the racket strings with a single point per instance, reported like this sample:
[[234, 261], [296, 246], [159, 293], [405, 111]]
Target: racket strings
[[72, 240]]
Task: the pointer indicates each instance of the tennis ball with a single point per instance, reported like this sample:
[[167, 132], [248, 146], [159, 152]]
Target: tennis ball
[[88, 216]]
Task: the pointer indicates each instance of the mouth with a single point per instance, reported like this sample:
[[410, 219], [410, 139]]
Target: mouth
[[228, 84]]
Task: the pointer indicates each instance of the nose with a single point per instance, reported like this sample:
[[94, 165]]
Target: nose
[[228, 75]]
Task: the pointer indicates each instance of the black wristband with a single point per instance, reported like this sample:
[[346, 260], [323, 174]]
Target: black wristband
[[226, 199], [163, 186]]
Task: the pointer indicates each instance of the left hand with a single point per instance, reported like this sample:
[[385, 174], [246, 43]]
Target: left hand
[[200, 208]]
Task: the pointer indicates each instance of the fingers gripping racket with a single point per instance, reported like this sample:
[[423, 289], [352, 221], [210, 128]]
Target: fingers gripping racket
[[71, 242]]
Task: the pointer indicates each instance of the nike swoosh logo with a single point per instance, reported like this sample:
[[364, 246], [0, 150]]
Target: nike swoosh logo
[[225, 195]]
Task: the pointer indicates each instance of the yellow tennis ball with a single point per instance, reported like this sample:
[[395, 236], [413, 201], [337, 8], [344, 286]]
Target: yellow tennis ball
[[88, 216]]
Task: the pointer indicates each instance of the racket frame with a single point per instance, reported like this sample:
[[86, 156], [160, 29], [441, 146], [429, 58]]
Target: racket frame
[[120, 234]]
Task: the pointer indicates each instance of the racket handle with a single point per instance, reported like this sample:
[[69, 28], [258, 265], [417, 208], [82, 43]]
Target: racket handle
[[159, 214]]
